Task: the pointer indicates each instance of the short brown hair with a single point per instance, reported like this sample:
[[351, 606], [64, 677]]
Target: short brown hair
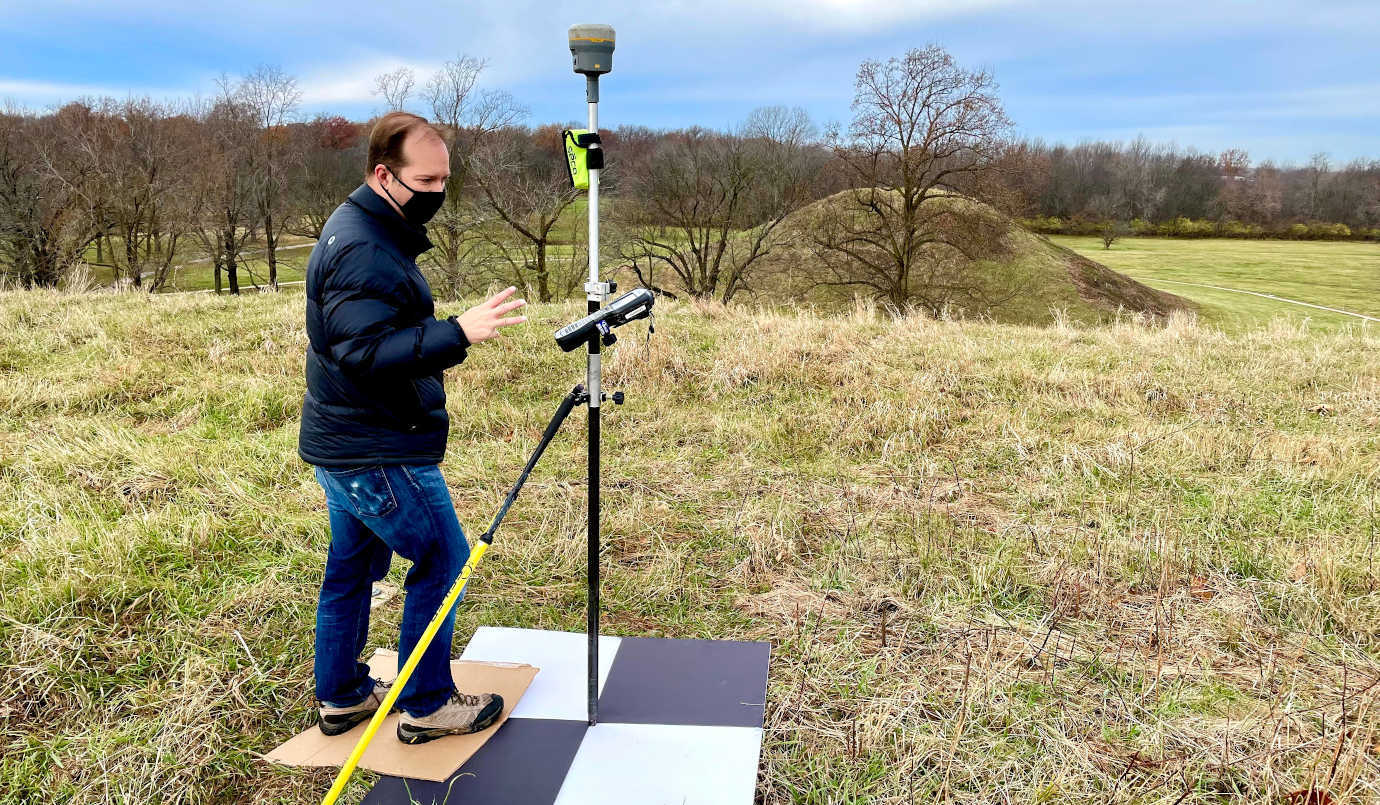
[[386, 140]]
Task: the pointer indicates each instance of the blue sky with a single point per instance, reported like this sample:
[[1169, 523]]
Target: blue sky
[[1282, 79]]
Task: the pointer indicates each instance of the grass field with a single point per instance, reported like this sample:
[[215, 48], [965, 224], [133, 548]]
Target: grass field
[[995, 563], [1342, 275], [193, 272], [197, 274]]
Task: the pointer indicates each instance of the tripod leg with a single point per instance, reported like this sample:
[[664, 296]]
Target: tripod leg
[[563, 411]]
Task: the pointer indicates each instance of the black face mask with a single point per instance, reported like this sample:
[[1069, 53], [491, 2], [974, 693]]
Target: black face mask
[[422, 206]]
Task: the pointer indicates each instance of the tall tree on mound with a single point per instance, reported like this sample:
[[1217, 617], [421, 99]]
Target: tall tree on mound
[[923, 130]]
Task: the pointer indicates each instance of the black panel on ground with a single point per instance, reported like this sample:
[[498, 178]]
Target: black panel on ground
[[524, 763], [695, 682]]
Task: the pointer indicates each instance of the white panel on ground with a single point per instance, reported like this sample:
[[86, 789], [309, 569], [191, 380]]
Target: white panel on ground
[[560, 689], [663, 764]]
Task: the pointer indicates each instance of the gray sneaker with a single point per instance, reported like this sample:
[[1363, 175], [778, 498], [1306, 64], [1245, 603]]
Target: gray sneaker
[[462, 713], [335, 720]]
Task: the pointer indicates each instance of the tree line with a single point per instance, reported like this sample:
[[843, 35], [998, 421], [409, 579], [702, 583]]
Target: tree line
[[1150, 189], [136, 186]]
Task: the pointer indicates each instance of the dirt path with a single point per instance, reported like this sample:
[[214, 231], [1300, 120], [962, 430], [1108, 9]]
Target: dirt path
[[261, 288], [1272, 296]]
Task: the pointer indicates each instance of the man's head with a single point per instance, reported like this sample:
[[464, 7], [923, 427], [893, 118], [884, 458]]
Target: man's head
[[406, 156]]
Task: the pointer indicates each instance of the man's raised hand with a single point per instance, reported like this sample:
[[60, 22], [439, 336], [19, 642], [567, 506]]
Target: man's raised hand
[[482, 321]]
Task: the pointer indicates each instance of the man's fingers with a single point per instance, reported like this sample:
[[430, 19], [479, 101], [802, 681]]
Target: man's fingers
[[501, 295], [506, 322], [504, 308]]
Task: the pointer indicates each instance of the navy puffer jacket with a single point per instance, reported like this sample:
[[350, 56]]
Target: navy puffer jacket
[[374, 367]]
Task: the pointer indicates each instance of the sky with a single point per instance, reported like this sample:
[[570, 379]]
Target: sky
[[1283, 80]]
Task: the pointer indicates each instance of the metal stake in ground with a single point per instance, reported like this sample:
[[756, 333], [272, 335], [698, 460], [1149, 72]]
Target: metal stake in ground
[[591, 47]]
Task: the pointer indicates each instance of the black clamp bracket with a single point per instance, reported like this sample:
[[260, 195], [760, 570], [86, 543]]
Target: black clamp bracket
[[594, 157]]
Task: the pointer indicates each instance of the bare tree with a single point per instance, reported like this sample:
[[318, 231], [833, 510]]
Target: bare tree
[[396, 87], [788, 127], [173, 216], [709, 205], [225, 189], [923, 128], [467, 114], [50, 194], [271, 96], [1110, 230], [1353, 195], [327, 162], [1024, 167], [524, 182], [142, 150], [1233, 197], [1318, 168], [1134, 177], [1111, 223]]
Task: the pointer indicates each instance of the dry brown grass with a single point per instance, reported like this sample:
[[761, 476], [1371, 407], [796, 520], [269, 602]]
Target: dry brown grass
[[996, 564]]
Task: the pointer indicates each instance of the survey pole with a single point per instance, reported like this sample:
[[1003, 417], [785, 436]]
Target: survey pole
[[591, 48], [596, 297]]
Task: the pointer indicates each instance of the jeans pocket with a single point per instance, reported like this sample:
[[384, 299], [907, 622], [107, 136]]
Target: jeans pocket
[[367, 489]]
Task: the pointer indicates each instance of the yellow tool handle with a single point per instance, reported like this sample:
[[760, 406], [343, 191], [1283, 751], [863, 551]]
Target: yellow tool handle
[[431, 628]]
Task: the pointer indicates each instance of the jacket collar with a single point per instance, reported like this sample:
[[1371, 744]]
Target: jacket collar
[[410, 239]]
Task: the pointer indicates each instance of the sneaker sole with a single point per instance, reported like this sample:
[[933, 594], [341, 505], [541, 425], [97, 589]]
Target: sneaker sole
[[420, 735], [338, 724], [335, 725]]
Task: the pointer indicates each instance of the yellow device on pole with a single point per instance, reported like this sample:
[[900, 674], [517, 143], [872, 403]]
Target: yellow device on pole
[[583, 153], [575, 397]]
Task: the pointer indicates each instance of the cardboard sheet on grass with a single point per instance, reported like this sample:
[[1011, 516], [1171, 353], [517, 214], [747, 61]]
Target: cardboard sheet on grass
[[435, 760]]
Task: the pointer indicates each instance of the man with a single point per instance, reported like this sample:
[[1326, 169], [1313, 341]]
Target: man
[[374, 425]]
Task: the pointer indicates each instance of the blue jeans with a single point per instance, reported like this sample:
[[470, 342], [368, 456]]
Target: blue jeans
[[376, 510]]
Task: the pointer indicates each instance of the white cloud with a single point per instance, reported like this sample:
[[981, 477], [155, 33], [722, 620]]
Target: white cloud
[[353, 81], [39, 94], [828, 16], [1346, 101], [340, 83]]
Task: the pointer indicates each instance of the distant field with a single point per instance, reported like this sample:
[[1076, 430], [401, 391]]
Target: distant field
[[1339, 275], [193, 272], [1345, 276]]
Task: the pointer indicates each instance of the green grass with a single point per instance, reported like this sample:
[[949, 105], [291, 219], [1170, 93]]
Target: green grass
[[192, 271], [1117, 563], [1343, 275]]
